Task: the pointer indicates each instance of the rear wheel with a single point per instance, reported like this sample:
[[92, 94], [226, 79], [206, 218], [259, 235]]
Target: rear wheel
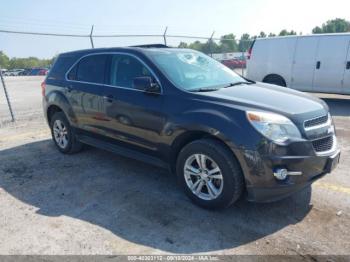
[[209, 174], [275, 80], [63, 134]]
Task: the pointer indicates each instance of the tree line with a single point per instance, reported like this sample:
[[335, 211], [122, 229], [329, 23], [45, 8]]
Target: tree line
[[227, 43], [23, 63]]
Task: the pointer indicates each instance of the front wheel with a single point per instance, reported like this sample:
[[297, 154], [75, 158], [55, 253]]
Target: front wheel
[[209, 174]]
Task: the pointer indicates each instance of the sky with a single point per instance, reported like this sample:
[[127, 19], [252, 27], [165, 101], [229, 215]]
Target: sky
[[183, 17]]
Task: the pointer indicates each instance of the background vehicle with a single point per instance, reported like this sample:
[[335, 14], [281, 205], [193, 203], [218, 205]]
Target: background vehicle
[[313, 63], [182, 110], [38, 71], [13, 72], [42, 72], [234, 63], [25, 72]]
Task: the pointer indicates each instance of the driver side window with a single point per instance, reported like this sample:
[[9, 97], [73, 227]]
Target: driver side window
[[124, 69]]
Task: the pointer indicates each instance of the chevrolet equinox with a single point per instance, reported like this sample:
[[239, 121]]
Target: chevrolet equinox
[[220, 133]]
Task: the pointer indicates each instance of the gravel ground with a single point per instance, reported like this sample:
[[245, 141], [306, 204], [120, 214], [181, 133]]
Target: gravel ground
[[95, 202]]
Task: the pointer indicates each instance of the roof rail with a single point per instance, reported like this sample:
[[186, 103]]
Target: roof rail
[[151, 46]]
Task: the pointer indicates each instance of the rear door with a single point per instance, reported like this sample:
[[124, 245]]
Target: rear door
[[346, 81], [330, 63], [304, 63], [84, 90]]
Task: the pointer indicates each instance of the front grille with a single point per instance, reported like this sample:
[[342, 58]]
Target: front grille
[[316, 121], [323, 144]]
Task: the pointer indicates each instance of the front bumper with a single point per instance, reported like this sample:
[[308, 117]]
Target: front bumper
[[261, 184]]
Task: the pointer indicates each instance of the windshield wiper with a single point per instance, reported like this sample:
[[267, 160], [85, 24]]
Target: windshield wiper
[[238, 83], [204, 89], [209, 89]]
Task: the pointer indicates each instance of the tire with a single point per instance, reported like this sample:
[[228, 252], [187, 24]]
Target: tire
[[275, 80], [228, 189], [68, 144]]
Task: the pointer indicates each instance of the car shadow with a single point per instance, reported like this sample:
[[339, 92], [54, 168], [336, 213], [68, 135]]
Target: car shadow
[[135, 201], [338, 107]]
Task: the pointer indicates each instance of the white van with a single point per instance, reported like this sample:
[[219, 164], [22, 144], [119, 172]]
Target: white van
[[312, 63]]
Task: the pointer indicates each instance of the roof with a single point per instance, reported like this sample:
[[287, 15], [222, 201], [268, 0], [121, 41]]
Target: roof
[[116, 49], [296, 36]]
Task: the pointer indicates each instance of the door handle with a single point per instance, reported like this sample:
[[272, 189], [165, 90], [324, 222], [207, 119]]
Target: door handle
[[318, 64], [108, 98], [348, 65]]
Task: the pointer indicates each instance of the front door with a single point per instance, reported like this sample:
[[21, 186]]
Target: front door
[[135, 117]]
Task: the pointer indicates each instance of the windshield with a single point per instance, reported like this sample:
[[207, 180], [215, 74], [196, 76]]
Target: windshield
[[192, 70]]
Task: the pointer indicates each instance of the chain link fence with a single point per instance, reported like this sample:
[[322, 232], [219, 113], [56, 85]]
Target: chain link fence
[[21, 97]]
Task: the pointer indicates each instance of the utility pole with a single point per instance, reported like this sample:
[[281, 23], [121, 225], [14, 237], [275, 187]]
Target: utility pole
[[210, 39], [91, 39], [6, 95], [164, 35]]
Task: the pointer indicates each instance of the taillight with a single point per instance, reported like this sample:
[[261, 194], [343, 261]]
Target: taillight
[[43, 87], [250, 50], [249, 53]]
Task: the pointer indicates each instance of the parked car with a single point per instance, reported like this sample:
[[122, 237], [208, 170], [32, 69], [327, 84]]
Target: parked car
[[313, 63], [25, 72], [180, 109], [42, 72], [234, 63], [230, 63], [242, 63], [13, 72], [38, 71]]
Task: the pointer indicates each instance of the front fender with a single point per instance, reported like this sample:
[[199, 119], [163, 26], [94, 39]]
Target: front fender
[[231, 126]]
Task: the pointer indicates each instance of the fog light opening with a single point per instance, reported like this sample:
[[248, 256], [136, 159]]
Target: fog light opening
[[280, 173]]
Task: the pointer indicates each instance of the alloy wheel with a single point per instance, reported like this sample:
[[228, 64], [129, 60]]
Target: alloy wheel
[[60, 133], [203, 177]]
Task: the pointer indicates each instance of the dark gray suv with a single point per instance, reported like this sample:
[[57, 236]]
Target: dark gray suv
[[222, 134]]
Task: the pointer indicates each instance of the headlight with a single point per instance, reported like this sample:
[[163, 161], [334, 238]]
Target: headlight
[[273, 126]]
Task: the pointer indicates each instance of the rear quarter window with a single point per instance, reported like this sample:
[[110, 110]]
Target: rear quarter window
[[61, 66]]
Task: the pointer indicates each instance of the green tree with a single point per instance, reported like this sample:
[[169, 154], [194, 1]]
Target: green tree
[[212, 47], [4, 60], [196, 45], [285, 32], [337, 25], [262, 35], [317, 30], [271, 35], [183, 45], [29, 62], [228, 43], [244, 42]]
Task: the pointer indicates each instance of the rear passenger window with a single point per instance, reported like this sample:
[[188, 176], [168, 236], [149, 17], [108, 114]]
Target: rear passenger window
[[92, 69], [124, 69]]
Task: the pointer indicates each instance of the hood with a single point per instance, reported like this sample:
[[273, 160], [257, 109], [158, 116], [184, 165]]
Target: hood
[[271, 98]]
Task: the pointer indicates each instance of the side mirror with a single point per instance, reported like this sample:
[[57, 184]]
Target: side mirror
[[145, 83]]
